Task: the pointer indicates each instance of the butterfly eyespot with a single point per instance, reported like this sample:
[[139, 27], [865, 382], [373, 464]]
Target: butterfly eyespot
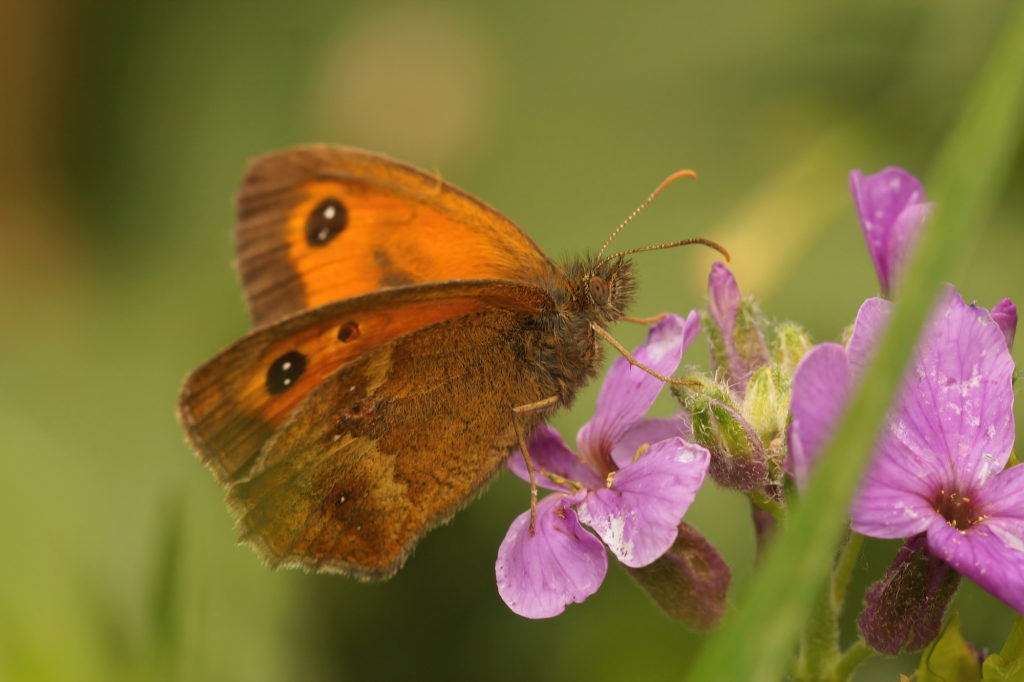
[[348, 332], [599, 290], [285, 371], [325, 222]]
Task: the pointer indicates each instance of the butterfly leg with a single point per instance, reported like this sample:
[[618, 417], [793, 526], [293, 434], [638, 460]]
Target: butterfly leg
[[516, 411]]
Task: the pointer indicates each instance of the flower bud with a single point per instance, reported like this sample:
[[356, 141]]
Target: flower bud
[[737, 454], [1004, 314], [737, 344], [766, 403], [790, 345], [689, 581], [904, 609]]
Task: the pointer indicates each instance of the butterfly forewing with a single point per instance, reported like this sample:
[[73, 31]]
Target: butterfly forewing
[[233, 404], [320, 223]]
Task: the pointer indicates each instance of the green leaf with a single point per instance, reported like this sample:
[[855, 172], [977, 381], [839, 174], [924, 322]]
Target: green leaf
[[1008, 664], [948, 658], [756, 641]]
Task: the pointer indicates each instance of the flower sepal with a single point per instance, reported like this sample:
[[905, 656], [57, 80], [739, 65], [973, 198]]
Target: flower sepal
[[737, 453], [689, 581]]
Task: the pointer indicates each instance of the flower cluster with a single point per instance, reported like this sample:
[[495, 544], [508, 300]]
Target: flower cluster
[[938, 476], [941, 476]]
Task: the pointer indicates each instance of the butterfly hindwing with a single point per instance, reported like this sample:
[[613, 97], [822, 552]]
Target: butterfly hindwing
[[320, 223], [234, 403], [389, 446]]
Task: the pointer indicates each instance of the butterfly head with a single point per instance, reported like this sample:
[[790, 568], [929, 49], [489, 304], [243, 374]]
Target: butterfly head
[[602, 289]]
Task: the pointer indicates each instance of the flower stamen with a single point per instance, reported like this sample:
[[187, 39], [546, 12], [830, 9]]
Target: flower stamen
[[640, 450], [957, 509], [572, 485]]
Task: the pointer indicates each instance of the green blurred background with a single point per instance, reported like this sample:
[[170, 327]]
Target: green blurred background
[[126, 128]]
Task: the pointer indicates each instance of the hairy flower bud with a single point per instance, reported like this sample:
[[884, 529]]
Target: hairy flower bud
[[904, 609], [689, 582], [766, 403], [737, 453], [790, 345]]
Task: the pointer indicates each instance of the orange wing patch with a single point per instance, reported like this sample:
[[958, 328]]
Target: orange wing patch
[[319, 224]]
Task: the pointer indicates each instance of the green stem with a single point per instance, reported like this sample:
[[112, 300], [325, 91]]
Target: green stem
[[819, 647], [769, 504], [845, 564], [851, 658]]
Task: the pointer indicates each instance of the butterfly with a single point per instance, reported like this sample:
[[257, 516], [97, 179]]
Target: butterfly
[[405, 337]]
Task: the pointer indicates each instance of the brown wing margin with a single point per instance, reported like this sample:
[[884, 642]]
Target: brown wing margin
[[234, 403], [320, 223]]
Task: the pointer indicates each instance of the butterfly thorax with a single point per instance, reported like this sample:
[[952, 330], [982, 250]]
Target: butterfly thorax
[[566, 351]]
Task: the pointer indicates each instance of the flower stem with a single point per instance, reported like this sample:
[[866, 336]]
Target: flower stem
[[858, 652], [819, 657], [845, 564], [764, 501]]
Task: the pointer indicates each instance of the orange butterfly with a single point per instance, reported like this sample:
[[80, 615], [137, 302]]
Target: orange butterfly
[[406, 337]]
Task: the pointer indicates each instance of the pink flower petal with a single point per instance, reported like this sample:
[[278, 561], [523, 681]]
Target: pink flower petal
[[956, 409], [872, 318], [952, 427], [723, 299], [821, 387], [893, 500], [648, 432], [560, 564], [990, 553], [628, 392], [638, 517], [888, 203], [550, 454]]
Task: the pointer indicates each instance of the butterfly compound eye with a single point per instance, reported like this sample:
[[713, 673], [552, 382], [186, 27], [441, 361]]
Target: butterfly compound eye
[[285, 371], [326, 221], [599, 290]]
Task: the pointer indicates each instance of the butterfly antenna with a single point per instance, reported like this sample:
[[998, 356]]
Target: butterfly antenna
[[671, 245], [668, 181]]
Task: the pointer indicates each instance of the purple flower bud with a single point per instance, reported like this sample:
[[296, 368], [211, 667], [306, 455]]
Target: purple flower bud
[[737, 344], [689, 582], [1005, 315], [904, 609], [892, 210]]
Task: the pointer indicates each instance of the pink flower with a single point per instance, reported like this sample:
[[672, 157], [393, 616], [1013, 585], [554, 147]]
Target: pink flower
[[938, 468], [632, 481]]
